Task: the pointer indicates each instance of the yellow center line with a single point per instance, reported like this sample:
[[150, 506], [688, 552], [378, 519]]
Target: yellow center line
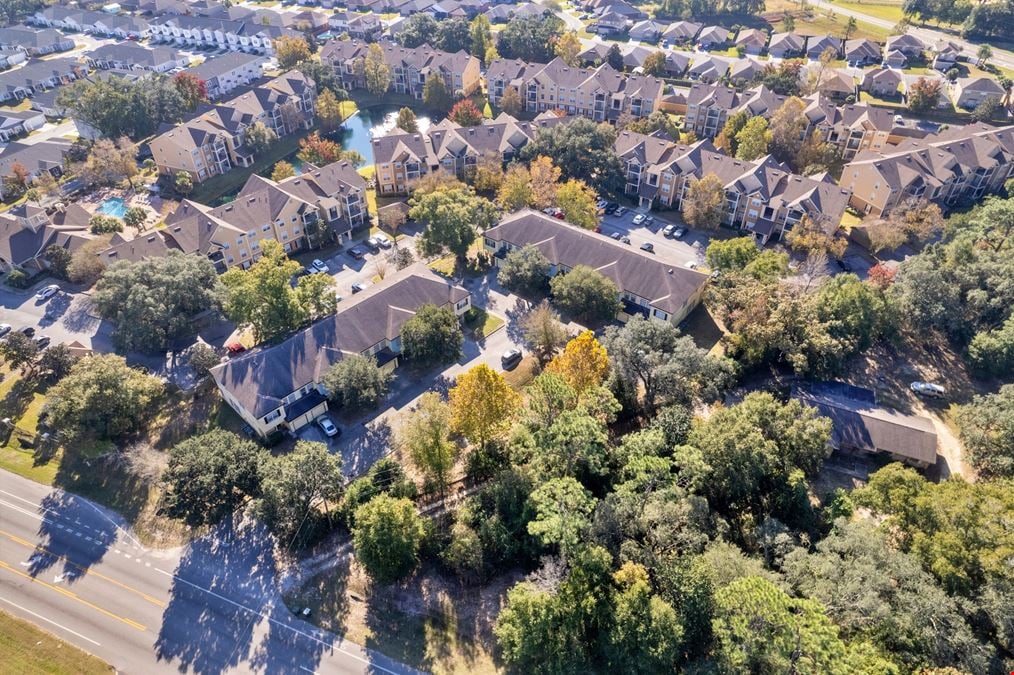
[[87, 572], [73, 596]]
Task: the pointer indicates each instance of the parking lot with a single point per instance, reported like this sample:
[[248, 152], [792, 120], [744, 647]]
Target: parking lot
[[688, 248]]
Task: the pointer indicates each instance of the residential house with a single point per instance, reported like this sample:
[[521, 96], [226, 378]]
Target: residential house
[[38, 75], [649, 287], [211, 141], [35, 42], [763, 197], [402, 158], [610, 23], [132, 56], [859, 424], [896, 58], [850, 128], [502, 13], [752, 41], [946, 55], [907, 44], [10, 57], [676, 63], [837, 84], [713, 37], [745, 70], [968, 92], [708, 69], [787, 45], [957, 166], [224, 74], [26, 231], [862, 52], [682, 32], [882, 82], [598, 93], [409, 67], [14, 123], [280, 387], [817, 45], [647, 31]]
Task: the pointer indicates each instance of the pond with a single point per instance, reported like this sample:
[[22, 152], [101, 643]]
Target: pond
[[359, 130]]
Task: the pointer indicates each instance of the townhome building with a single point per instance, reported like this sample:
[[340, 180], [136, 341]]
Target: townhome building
[[850, 128], [14, 123], [11, 56], [132, 56], [402, 158], [648, 286], [601, 93], [280, 388], [409, 67], [77, 20], [45, 156], [959, 165], [763, 197], [34, 42], [224, 74], [201, 31], [26, 231], [212, 140], [38, 75]]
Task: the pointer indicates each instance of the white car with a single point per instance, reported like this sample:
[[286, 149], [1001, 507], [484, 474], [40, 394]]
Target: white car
[[47, 292], [383, 241], [5, 328], [928, 389], [319, 265], [639, 218], [328, 426], [690, 265]]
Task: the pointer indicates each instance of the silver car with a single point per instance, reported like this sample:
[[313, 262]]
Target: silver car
[[928, 389]]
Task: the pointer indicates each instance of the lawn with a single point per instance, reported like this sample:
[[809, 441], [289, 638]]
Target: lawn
[[523, 374], [29, 650], [347, 109], [481, 322], [444, 265], [889, 11], [704, 330], [230, 182]]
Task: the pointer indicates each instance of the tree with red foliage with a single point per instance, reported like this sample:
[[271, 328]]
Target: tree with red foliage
[[465, 113], [881, 276], [322, 151], [19, 174], [191, 88]]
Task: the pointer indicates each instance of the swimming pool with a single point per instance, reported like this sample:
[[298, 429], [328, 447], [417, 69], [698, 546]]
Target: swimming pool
[[113, 206]]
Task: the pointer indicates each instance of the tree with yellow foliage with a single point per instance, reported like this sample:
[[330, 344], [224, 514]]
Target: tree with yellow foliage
[[544, 176], [583, 363], [482, 405]]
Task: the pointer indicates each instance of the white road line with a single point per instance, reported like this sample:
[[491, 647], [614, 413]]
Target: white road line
[[39, 616], [281, 624], [307, 670]]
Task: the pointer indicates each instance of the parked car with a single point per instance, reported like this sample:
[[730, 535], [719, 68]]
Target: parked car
[[358, 252], [616, 236], [319, 265], [373, 244], [648, 220], [679, 233], [928, 389], [511, 358], [43, 341], [669, 231], [639, 218], [235, 348], [383, 241], [620, 210], [625, 239], [690, 265], [648, 246], [601, 204], [611, 208], [46, 292], [5, 328], [358, 287], [27, 331], [328, 427]]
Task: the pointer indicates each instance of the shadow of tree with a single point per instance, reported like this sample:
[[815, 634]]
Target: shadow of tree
[[70, 537], [17, 400], [78, 317], [361, 452], [55, 308], [104, 480]]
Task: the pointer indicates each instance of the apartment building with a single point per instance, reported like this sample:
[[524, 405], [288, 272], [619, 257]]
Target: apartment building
[[224, 74], [957, 166], [762, 197], [409, 67], [648, 286], [402, 158], [708, 107], [26, 231], [280, 388], [850, 128], [211, 142], [601, 93]]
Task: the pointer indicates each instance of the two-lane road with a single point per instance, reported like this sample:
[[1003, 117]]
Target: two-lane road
[[72, 568]]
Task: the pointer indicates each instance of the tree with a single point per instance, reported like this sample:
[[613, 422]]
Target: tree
[[58, 259], [704, 206], [562, 512], [984, 54], [987, 430], [109, 162], [262, 295], [328, 110], [119, 107], [543, 331], [55, 362], [654, 64], [615, 58], [435, 94], [511, 102], [814, 233], [569, 49], [153, 301], [19, 351], [525, 271], [482, 405], [727, 138], [85, 265], [850, 28], [543, 176], [515, 191], [417, 30], [923, 95], [451, 214], [988, 109], [584, 292], [259, 137], [319, 151], [282, 171], [652, 356], [183, 183], [992, 351], [731, 254], [375, 70], [465, 113], [530, 39], [191, 88], [387, 536], [583, 363], [582, 149], [135, 217], [578, 202], [298, 491], [432, 336], [752, 141], [646, 634], [488, 175], [356, 382], [203, 358], [481, 36], [103, 397], [787, 126], [290, 50], [100, 224], [426, 435], [209, 475], [407, 121]]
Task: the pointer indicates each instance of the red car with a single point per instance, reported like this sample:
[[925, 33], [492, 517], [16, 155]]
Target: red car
[[235, 348]]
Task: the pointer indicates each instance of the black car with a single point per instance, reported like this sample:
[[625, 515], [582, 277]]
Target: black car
[[43, 341], [844, 265], [611, 207], [27, 331], [358, 252]]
